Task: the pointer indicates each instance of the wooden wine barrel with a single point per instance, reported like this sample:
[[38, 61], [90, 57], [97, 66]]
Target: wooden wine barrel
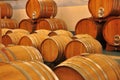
[[0, 35], [79, 36], [90, 67], [6, 10], [19, 31], [52, 48], [26, 70], [111, 31], [32, 40], [82, 45], [3, 57], [2, 45], [99, 9], [60, 32], [12, 38], [91, 27], [8, 23], [24, 53], [5, 31], [27, 24], [43, 32], [41, 9], [51, 24]]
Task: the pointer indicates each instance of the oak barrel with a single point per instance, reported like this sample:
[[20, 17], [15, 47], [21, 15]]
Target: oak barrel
[[3, 57], [0, 34], [26, 70], [51, 24], [5, 31], [79, 36], [52, 48], [6, 10], [111, 32], [104, 8], [24, 53], [27, 24], [91, 27], [82, 45], [12, 38], [89, 67], [41, 8], [43, 32], [8, 23], [32, 40], [60, 32], [18, 30]]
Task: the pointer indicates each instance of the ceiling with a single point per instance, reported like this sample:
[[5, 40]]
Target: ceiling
[[60, 3]]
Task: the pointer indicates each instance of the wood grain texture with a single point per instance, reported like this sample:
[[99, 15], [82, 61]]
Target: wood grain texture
[[111, 29], [104, 8]]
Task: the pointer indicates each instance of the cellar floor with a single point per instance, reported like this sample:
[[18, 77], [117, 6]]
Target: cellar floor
[[114, 54]]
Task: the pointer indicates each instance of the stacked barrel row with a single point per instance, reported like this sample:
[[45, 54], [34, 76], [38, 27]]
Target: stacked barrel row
[[44, 40], [54, 49], [6, 12], [25, 62], [41, 16], [12, 36], [56, 46], [104, 24], [28, 64]]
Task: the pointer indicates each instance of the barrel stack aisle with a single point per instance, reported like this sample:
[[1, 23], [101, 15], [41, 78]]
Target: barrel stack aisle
[[103, 24], [42, 16], [42, 48]]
